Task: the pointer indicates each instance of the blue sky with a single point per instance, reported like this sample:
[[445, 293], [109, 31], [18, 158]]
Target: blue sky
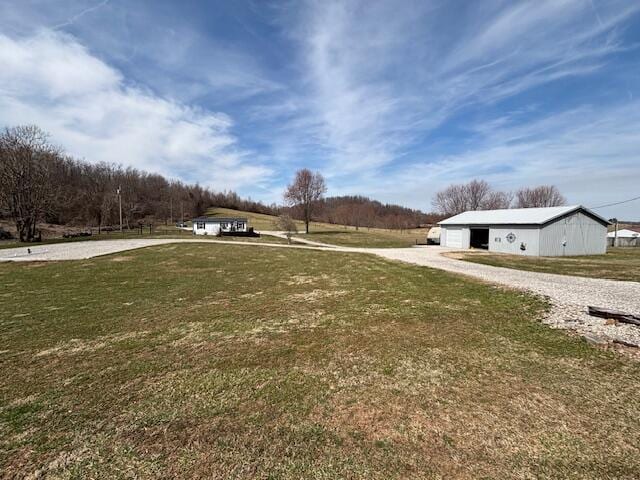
[[392, 100]]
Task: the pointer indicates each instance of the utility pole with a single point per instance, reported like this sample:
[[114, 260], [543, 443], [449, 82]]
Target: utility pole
[[171, 211], [120, 206], [615, 231], [182, 216]]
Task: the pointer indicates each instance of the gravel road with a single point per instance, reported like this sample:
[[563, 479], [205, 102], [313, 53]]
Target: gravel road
[[96, 248], [568, 295], [297, 239]]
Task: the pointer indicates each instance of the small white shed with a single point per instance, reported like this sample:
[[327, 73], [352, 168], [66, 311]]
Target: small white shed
[[624, 238], [549, 231], [215, 225]]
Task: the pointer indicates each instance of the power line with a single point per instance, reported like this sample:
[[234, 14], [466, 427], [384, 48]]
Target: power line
[[616, 203]]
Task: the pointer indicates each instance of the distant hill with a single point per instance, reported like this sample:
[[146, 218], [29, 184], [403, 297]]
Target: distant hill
[[359, 211]]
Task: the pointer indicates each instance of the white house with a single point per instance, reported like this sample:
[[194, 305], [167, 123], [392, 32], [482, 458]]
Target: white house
[[549, 231], [215, 225]]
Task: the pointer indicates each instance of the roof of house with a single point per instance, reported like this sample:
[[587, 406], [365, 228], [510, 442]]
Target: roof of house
[[624, 233], [518, 216], [219, 219]]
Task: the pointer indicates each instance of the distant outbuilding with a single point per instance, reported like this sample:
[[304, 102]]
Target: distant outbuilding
[[549, 231], [625, 237]]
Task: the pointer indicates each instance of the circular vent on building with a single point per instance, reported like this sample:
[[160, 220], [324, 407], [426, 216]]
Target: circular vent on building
[[511, 237]]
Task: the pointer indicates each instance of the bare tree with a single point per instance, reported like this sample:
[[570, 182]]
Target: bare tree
[[26, 190], [497, 200], [541, 196], [477, 192], [451, 201], [287, 225], [306, 190], [475, 195]]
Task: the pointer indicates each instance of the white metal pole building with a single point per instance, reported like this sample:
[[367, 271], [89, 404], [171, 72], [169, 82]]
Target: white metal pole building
[[549, 231]]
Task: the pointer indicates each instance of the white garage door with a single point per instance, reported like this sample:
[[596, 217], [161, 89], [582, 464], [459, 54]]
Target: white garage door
[[454, 237]]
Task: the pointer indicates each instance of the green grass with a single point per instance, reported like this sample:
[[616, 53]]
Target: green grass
[[216, 361], [373, 238], [617, 264], [346, 236]]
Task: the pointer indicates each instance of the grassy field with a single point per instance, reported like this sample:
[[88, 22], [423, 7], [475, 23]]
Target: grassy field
[[336, 234], [617, 264], [213, 361], [373, 238], [260, 221]]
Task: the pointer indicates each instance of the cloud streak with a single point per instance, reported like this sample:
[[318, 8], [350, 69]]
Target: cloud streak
[[88, 107], [582, 151], [386, 87], [380, 83]]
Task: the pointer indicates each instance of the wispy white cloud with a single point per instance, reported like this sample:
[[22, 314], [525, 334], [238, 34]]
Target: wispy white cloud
[[380, 82], [381, 79], [590, 153], [88, 107], [74, 18]]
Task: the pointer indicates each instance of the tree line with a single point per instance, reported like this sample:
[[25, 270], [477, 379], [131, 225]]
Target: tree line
[[480, 195], [359, 211], [304, 197], [40, 183]]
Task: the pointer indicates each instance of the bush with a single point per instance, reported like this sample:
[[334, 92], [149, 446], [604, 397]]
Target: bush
[[5, 234]]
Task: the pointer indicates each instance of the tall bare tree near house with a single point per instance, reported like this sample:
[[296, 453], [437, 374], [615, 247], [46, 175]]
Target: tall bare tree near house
[[306, 190], [541, 196], [26, 190]]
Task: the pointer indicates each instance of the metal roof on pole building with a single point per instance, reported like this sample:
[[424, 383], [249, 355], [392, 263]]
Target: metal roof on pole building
[[518, 216]]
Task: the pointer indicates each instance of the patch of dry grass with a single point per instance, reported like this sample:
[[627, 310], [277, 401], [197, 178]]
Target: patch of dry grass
[[255, 363]]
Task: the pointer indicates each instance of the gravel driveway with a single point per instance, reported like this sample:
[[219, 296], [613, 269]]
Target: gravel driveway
[[568, 295], [95, 248]]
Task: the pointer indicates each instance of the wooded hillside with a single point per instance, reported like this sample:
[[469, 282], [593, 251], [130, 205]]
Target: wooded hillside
[[359, 211], [40, 183]]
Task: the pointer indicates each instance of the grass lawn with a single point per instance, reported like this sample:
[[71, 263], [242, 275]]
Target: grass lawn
[[215, 361], [617, 264], [373, 238], [261, 221], [335, 234]]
